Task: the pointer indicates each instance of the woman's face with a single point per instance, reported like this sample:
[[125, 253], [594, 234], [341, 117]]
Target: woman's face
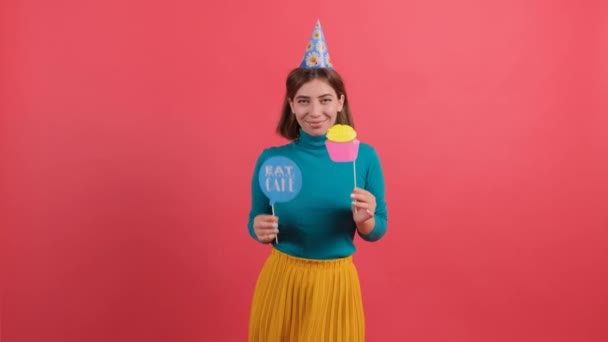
[[316, 106]]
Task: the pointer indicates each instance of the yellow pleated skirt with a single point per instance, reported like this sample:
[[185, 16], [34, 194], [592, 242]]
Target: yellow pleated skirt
[[304, 300]]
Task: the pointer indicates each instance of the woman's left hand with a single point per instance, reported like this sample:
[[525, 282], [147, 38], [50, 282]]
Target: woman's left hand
[[363, 205]]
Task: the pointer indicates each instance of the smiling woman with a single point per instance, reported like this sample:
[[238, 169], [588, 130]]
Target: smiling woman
[[315, 100], [308, 289], [315, 106]]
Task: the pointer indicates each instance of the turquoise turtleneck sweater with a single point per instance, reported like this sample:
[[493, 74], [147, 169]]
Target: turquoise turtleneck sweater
[[318, 222]]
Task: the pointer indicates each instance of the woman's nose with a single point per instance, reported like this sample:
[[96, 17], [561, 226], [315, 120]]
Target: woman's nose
[[315, 109]]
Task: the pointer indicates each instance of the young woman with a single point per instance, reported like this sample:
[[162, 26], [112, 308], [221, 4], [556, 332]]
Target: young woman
[[308, 288]]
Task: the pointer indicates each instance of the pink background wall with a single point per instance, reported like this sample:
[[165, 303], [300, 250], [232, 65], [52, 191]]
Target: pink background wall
[[129, 130]]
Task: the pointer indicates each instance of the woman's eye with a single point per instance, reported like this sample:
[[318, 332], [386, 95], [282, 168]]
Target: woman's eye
[[302, 101], [326, 100]]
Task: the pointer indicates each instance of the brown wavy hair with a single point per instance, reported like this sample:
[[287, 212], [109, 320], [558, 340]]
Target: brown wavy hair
[[288, 126]]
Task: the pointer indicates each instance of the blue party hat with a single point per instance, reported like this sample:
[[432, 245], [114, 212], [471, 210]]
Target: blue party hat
[[316, 55]]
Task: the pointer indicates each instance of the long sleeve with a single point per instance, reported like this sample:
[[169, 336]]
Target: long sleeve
[[259, 201], [375, 185]]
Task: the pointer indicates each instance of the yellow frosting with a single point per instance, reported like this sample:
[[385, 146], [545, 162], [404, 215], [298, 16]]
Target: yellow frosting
[[341, 133]]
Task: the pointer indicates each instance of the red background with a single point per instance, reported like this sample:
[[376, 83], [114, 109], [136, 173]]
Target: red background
[[129, 130]]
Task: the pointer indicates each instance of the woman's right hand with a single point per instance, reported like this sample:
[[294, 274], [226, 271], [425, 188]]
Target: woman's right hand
[[266, 227]]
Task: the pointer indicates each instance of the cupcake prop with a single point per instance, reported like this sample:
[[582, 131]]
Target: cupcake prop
[[343, 146]]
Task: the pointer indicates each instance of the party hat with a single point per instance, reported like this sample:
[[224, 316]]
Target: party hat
[[316, 55]]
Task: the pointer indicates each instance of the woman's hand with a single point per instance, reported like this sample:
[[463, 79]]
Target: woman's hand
[[266, 227], [364, 207]]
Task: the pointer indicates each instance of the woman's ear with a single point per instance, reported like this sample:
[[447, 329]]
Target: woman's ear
[[341, 100], [291, 105]]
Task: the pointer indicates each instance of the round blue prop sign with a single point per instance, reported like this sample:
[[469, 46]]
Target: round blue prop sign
[[280, 179]]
